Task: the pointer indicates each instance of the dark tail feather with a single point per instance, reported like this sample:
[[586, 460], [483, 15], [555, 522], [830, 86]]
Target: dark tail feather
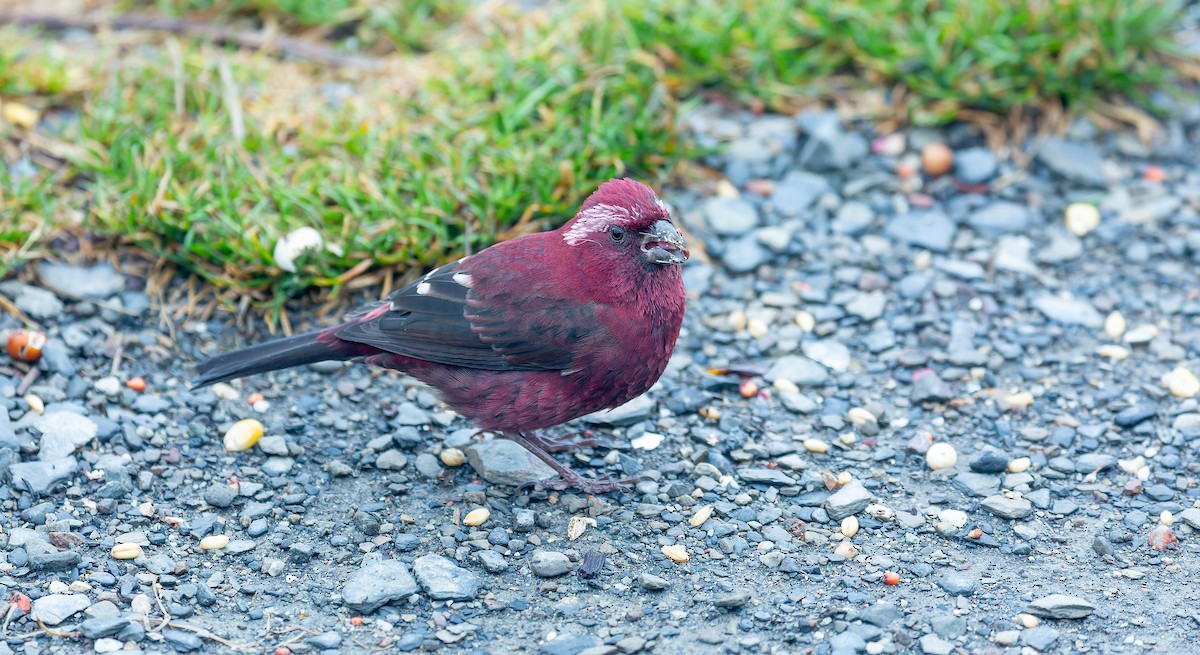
[[273, 356]]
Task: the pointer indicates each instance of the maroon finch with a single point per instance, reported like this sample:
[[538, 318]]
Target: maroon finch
[[528, 333]]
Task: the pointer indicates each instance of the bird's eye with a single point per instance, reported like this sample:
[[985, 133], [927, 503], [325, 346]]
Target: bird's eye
[[616, 233]]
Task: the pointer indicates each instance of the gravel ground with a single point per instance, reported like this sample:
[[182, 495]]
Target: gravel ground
[[953, 425]]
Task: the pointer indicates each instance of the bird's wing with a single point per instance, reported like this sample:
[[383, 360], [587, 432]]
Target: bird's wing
[[460, 315]]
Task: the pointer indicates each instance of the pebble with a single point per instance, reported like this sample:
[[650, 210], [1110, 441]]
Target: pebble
[[730, 217], [503, 462], [1007, 508], [53, 609], [941, 456], [1061, 606], [442, 579], [378, 583], [850, 499], [549, 564]]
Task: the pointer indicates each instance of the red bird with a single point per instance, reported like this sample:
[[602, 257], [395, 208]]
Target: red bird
[[528, 333]]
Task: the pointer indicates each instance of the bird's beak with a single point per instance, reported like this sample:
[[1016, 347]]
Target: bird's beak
[[663, 244]]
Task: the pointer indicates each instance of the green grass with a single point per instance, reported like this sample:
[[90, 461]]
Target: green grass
[[474, 126]]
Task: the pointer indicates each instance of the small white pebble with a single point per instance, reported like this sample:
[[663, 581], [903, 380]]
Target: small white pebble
[[648, 441], [1140, 334], [1182, 383], [880, 512], [1019, 465], [1113, 352], [1019, 400], [1114, 325], [577, 525], [814, 445], [261, 406], [214, 542], [955, 517], [1028, 620], [701, 515], [35, 404], [847, 438], [1166, 518], [849, 526], [783, 385], [1081, 218], [844, 478], [737, 320], [477, 516], [846, 549], [757, 328], [675, 553], [806, 321], [941, 456]]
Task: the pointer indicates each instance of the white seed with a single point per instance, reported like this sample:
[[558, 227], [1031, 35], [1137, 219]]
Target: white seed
[[477, 516], [243, 435], [757, 328], [701, 515], [1028, 620], [452, 457], [1081, 218], [844, 478], [1166, 518], [814, 445], [860, 417], [1115, 353], [849, 526], [146, 509], [1182, 383], [577, 525], [1019, 400], [783, 385], [847, 438], [1019, 465], [737, 320], [35, 403], [806, 321], [941, 456], [675, 553], [214, 542], [126, 551], [1114, 325], [846, 549]]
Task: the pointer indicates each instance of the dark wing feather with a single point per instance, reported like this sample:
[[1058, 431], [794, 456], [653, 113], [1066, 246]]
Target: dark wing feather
[[450, 323]]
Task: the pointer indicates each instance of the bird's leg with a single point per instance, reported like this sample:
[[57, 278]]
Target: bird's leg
[[567, 478], [560, 444]]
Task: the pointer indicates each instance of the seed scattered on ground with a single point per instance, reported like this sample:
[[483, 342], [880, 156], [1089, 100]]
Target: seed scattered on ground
[[1182, 383], [126, 551], [806, 321], [701, 515], [1081, 218], [1019, 465], [1114, 325], [849, 526], [675, 553], [941, 456], [243, 435], [26, 345], [477, 516], [936, 159], [452, 457], [814, 445], [214, 542], [577, 525]]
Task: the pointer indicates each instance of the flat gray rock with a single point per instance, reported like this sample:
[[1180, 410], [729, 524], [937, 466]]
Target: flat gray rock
[[929, 229], [500, 461], [376, 584], [1007, 508], [802, 371], [53, 609], [98, 282], [730, 217], [766, 476], [1061, 606], [1075, 161], [849, 500], [38, 477], [442, 579], [1068, 311]]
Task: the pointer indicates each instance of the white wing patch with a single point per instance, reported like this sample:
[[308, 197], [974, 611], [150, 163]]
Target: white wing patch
[[422, 288], [464, 279], [595, 219]]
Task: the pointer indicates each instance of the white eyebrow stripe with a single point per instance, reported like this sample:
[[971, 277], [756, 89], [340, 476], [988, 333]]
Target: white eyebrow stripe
[[595, 219]]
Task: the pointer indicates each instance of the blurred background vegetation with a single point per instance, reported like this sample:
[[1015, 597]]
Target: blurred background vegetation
[[407, 131]]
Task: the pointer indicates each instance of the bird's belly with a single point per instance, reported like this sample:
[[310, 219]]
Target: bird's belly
[[531, 400]]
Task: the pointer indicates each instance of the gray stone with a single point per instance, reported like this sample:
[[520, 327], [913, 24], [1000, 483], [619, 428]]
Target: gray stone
[[796, 193], [1061, 606], [569, 645], [182, 640], [38, 303], [974, 165], [1135, 414], [66, 429], [549, 563], [882, 614], [867, 305], [849, 500], [958, 584], [930, 229], [53, 609], [1077, 162], [730, 217], [1000, 217], [500, 461], [442, 579], [1041, 638], [1007, 508], [1069, 311], [802, 371], [492, 561], [798, 402], [39, 477], [273, 445], [931, 388], [745, 254], [989, 460], [834, 355], [391, 460], [631, 412], [652, 582], [1191, 516], [853, 218], [99, 281], [102, 626], [733, 599], [277, 466], [766, 476], [1063, 247], [377, 583], [977, 484], [220, 494], [847, 643], [934, 645]]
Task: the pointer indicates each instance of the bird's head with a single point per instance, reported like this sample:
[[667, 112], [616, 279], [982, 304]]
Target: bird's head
[[625, 220]]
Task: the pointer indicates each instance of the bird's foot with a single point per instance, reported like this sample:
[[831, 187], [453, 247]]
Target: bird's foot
[[561, 444], [600, 485]]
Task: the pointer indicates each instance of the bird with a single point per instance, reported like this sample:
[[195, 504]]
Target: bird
[[526, 334]]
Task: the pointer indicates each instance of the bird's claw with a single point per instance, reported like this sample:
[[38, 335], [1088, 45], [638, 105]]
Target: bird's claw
[[562, 444]]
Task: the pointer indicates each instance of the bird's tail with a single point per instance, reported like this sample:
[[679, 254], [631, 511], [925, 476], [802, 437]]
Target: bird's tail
[[275, 355]]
